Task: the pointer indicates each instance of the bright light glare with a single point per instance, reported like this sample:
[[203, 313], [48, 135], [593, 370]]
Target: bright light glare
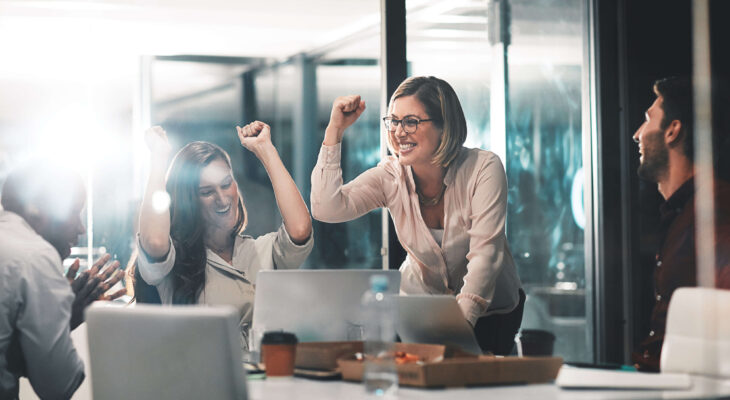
[[74, 137], [160, 201]]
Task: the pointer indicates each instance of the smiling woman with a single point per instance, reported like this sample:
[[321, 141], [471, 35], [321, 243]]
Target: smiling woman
[[195, 252], [448, 204]]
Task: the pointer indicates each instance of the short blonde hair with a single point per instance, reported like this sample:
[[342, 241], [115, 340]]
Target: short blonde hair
[[443, 107]]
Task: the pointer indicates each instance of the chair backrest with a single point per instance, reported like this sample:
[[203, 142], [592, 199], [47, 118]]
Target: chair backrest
[[165, 352], [697, 339]]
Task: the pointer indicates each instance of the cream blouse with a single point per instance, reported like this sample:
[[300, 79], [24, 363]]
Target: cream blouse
[[473, 262], [231, 284]]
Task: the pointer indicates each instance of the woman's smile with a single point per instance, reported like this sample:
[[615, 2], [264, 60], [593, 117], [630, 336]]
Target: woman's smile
[[224, 211], [218, 194]]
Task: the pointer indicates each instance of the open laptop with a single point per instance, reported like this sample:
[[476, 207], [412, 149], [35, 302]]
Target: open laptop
[[163, 352], [316, 305], [434, 319]]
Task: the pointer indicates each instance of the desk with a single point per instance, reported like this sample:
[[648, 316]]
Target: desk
[[304, 389]]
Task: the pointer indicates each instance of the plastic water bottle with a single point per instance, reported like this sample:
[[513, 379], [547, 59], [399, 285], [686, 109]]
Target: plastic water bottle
[[380, 376]]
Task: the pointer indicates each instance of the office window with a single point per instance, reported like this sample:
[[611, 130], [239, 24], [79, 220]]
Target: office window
[[295, 97], [354, 244], [522, 96]]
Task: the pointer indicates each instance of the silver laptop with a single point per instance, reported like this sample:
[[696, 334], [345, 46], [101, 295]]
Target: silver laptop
[[316, 305], [434, 319], [156, 352]]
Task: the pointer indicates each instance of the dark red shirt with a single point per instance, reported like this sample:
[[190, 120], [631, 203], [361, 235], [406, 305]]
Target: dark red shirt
[[675, 261]]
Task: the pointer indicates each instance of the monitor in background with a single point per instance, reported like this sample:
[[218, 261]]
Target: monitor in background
[[162, 352], [316, 305]]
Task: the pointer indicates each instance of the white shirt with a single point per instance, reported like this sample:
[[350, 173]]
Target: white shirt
[[35, 310], [231, 284], [473, 262], [438, 235]]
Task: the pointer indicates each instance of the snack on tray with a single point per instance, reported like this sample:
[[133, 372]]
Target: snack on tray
[[401, 357]]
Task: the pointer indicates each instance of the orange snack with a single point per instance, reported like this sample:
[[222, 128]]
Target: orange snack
[[401, 357]]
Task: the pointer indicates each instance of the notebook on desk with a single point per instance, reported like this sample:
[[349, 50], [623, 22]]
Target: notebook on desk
[[594, 378]]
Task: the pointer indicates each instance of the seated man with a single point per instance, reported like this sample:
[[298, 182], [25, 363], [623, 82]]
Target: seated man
[[38, 307], [665, 142]]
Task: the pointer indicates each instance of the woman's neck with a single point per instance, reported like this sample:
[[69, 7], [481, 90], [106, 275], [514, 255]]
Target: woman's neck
[[220, 241], [429, 179]]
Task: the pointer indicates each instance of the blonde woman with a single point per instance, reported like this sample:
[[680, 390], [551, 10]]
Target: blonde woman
[[448, 204]]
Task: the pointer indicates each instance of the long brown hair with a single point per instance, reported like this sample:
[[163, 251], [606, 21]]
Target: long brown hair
[[186, 222]]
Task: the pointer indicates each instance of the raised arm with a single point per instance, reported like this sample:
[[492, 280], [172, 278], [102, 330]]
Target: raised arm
[[256, 137], [154, 224], [331, 200], [345, 111]]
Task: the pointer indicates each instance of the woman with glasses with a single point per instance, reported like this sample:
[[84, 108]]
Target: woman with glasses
[[192, 249], [448, 204]]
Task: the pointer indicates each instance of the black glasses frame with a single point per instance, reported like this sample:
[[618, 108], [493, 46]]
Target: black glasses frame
[[391, 123]]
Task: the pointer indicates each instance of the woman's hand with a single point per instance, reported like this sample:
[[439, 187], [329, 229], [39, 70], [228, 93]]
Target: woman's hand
[[345, 111], [256, 137], [156, 140]]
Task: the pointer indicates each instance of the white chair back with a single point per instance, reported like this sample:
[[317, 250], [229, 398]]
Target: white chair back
[[697, 339]]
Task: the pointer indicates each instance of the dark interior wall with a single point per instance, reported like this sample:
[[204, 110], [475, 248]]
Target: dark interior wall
[[720, 58]]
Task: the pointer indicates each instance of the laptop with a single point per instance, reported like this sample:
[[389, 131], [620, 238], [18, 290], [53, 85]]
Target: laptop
[[316, 305], [163, 352], [435, 319]]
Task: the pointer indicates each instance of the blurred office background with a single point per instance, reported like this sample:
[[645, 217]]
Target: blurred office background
[[81, 80]]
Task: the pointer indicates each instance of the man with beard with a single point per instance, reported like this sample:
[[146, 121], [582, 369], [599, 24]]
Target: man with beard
[[665, 142], [39, 222]]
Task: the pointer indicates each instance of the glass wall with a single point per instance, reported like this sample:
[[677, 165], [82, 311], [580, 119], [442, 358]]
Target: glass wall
[[271, 102], [354, 244], [521, 93], [350, 67], [295, 98]]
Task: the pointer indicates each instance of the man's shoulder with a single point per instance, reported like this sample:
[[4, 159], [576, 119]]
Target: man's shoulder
[[20, 246]]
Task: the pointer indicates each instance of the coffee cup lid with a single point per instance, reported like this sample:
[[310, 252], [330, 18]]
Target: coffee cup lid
[[279, 337], [536, 334]]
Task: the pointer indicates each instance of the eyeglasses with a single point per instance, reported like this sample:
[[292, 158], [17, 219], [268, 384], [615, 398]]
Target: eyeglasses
[[409, 124]]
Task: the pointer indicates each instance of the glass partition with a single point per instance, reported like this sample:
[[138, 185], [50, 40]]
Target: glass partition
[[295, 98], [521, 90], [354, 244]]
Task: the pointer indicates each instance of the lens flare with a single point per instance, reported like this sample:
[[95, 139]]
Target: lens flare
[[160, 201]]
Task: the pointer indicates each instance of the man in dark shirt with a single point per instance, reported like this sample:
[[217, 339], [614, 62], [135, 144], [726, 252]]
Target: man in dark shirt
[[665, 142]]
